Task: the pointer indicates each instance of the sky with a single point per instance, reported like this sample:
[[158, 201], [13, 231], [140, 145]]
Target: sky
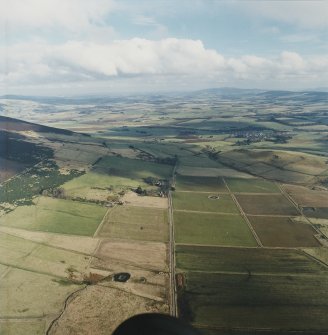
[[79, 47]]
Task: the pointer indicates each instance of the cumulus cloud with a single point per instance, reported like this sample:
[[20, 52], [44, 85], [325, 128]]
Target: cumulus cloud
[[76, 61]]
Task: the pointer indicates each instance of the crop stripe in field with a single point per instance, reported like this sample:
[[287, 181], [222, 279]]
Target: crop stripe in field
[[257, 239]]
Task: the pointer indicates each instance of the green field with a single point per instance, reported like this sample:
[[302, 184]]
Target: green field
[[136, 223], [132, 168], [202, 184], [266, 204], [113, 173], [56, 216], [201, 202], [212, 229], [84, 186], [246, 260], [283, 232], [283, 302], [251, 185], [35, 257], [28, 294], [251, 288]]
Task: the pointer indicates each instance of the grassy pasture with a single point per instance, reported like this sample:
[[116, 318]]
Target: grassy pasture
[[82, 244], [115, 173], [200, 202], [286, 176], [77, 153], [136, 223], [86, 185], [251, 185], [283, 232], [285, 166], [204, 184], [22, 327], [281, 302], [3, 268], [213, 229], [135, 253], [25, 293], [28, 255], [133, 168], [197, 160], [57, 216], [311, 165], [266, 204], [245, 260]]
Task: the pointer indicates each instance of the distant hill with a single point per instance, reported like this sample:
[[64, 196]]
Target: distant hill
[[306, 96], [231, 93]]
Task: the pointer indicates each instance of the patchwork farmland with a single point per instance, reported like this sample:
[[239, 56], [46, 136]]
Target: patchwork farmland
[[240, 264], [208, 207]]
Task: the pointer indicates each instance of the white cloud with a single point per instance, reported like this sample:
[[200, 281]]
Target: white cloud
[[308, 14], [76, 61], [68, 14]]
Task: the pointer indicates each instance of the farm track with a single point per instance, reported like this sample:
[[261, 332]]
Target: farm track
[[102, 221]]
